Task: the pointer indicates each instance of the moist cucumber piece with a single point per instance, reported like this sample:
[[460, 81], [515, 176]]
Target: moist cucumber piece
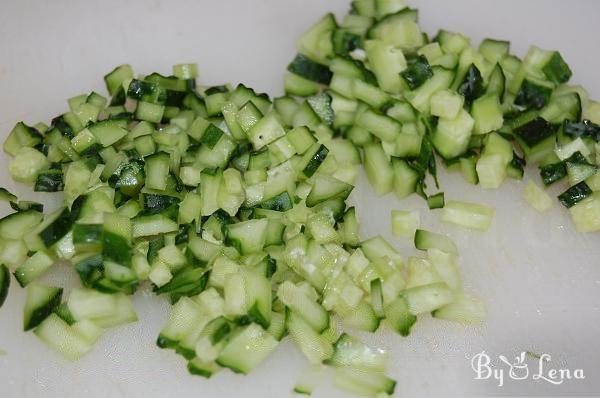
[[299, 86], [6, 196], [586, 213], [107, 132], [387, 62], [116, 77], [267, 130], [399, 317], [301, 138], [537, 198], [4, 283], [420, 98], [405, 178], [248, 236], [188, 282], [468, 215], [33, 267], [575, 194], [313, 345], [27, 164], [49, 181], [379, 125], [321, 105], [277, 328], [350, 351], [185, 313], [494, 50], [557, 70], [464, 309], [198, 367], [436, 201], [579, 169], [399, 29], [497, 83], [61, 337], [21, 136], [312, 159], [451, 137], [305, 67], [377, 247], [362, 317], [258, 298], [105, 310], [157, 170], [417, 72], [379, 169], [313, 314], [427, 298], [247, 349], [446, 104], [312, 41], [425, 240], [377, 297], [41, 302], [116, 238], [326, 188], [55, 226], [17, 225], [363, 382], [487, 114]]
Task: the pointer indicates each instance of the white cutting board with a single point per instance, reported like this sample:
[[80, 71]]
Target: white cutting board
[[540, 278]]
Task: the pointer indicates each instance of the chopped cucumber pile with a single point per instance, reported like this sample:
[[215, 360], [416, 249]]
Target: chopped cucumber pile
[[214, 199], [233, 205], [408, 100]]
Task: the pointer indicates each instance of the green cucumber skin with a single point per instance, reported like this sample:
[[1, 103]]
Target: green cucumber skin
[[116, 248], [535, 131], [575, 194], [281, 202], [199, 372], [50, 181], [4, 283], [211, 136], [309, 69], [532, 95], [87, 233], [316, 161], [58, 229], [43, 312], [7, 196], [418, 72]]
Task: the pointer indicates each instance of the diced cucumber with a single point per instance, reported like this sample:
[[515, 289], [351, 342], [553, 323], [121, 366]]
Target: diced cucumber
[[248, 236], [363, 382], [247, 349], [33, 267], [468, 215], [464, 309], [312, 344], [17, 225], [425, 240], [41, 302], [427, 298], [349, 351], [537, 198], [4, 283], [312, 313], [184, 315], [61, 337]]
